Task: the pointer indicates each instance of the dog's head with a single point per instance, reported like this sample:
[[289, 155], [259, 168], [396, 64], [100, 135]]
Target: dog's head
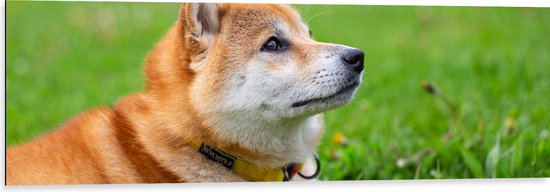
[[249, 70], [261, 61]]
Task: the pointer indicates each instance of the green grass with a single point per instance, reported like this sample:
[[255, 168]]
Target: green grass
[[493, 64]]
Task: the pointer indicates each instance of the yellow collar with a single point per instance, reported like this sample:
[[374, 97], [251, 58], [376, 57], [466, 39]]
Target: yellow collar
[[244, 168]]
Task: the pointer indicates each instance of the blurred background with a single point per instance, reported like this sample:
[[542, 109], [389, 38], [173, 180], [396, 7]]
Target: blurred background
[[448, 92]]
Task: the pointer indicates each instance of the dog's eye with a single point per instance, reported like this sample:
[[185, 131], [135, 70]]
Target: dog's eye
[[310, 33], [273, 44]]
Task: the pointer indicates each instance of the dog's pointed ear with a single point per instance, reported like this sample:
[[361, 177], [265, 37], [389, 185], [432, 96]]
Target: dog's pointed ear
[[200, 19], [200, 22]]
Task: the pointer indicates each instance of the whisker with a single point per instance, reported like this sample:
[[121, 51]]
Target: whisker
[[318, 14]]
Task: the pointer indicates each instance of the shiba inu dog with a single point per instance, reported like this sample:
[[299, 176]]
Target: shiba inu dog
[[233, 93]]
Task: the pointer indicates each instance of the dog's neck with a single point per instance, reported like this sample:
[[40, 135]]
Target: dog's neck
[[271, 144]]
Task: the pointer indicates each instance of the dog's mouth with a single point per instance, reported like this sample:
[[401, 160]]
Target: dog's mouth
[[344, 90]]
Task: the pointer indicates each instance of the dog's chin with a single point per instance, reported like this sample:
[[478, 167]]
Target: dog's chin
[[318, 105]]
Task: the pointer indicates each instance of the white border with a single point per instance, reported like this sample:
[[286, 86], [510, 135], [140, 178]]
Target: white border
[[459, 185], [3, 90], [449, 185], [491, 3]]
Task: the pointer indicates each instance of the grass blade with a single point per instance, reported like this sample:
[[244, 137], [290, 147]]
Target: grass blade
[[473, 164], [492, 159]]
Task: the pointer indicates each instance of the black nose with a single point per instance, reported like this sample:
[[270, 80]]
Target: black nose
[[354, 58]]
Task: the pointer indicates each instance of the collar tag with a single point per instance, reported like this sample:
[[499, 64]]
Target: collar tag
[[217, 156]]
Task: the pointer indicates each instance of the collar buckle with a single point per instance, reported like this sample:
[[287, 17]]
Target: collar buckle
[[291, 170]]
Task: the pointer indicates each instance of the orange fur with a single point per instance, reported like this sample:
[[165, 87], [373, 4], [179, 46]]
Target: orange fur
[[142, 138]]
